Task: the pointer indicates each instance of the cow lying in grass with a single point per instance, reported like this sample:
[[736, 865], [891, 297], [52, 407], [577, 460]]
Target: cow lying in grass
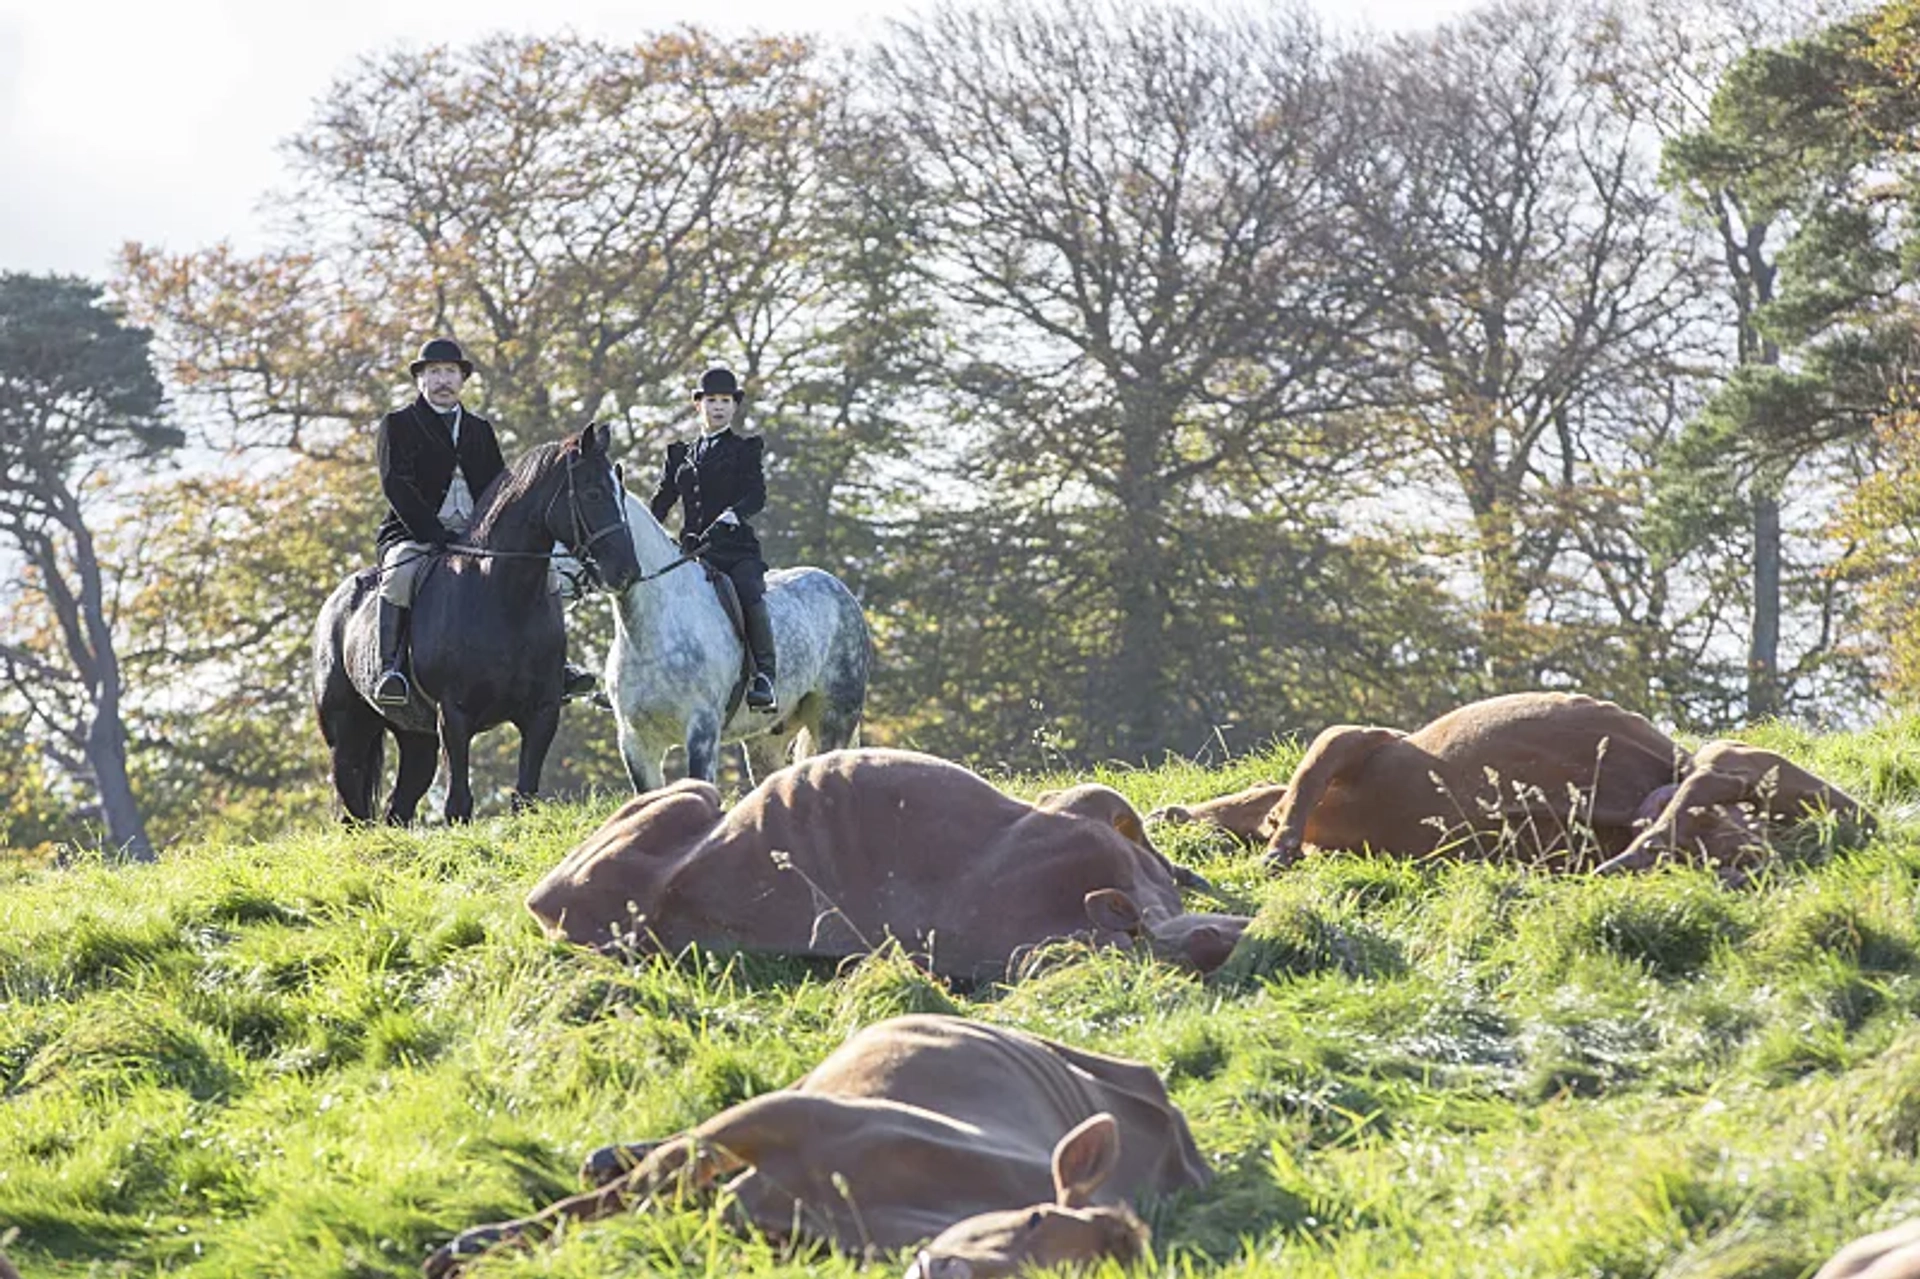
[[1551, 777], [1889, 1254], [1003, 1149], [834, 855]]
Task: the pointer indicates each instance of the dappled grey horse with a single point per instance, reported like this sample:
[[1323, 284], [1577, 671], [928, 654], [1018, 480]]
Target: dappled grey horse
[[676, 662], [487, 636]]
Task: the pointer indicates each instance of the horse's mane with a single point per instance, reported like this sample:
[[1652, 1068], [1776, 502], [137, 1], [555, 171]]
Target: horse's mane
[[517, 480]]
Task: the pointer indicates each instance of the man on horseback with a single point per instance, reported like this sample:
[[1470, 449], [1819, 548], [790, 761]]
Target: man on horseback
[[719, 484], [435, 458]]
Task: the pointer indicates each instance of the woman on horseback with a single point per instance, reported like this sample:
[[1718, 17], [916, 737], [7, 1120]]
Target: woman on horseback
[[719, 484]]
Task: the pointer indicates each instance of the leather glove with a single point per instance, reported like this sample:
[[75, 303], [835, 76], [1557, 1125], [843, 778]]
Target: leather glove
[[727, 517]]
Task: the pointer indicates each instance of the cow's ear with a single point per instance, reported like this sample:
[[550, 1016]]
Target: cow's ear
[[1127, 822], [1084, 1159], [1113, 910]]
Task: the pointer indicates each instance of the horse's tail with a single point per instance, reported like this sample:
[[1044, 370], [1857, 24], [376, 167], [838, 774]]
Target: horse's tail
[[330, 628]]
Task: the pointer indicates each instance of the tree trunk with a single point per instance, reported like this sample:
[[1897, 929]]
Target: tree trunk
[[1763, 649], [1138, 687], [91, 639], [1139, 684], [1754, 283], [107, 756]]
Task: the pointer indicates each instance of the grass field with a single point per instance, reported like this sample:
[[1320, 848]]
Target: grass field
[[324, 1054]]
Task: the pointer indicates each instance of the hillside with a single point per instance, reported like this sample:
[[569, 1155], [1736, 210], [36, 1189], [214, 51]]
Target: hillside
[[323, 1054]]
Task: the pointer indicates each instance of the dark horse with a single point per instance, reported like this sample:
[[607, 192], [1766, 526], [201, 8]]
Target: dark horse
[[487, 637]]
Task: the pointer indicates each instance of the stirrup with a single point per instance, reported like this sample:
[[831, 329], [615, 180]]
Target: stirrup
[[760, 693], [392, 690], [577, 682]]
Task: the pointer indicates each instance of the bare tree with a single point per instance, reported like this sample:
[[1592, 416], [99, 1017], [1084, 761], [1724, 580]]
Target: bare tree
[[1131, 221], [1542, 286], [584, 217]]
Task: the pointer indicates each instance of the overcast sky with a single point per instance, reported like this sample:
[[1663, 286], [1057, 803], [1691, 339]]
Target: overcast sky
[[159, 120]]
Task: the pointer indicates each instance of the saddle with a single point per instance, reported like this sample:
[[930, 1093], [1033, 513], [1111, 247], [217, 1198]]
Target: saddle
[[730, 604]]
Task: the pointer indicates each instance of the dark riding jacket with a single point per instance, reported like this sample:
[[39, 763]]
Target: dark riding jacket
[[720, 471], [416, 456]]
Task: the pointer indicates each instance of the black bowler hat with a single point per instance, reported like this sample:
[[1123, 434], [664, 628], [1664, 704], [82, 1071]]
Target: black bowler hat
[[720, 382], [442, 351]]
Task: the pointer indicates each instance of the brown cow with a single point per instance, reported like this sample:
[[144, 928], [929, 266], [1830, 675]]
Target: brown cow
[[1556, 776], [910, 1126], [835, 854], [6, 1269], [1889, 1254]]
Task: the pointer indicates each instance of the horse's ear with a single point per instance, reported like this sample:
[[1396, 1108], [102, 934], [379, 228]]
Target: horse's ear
[[595, 437]]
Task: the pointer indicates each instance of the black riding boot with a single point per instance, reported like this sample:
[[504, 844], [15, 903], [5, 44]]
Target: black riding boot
[[392, 689], [760, 644]]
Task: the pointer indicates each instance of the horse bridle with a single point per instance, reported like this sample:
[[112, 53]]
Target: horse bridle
[[584, 538]]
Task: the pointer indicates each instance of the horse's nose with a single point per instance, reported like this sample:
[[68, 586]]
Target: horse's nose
[[618, 577]]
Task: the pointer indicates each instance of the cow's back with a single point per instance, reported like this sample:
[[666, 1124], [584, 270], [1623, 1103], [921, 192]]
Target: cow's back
[[916, 1122], [1506, 762], [1552, 735], [1018, 1087], [835, 854]]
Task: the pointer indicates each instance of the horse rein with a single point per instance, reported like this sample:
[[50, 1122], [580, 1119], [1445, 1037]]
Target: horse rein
[[688, 558], [581, 548], [584, 538]]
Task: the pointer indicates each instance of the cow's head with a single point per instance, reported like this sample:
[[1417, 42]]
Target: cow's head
[[1070, 1229], [1722, 835], [1199, 940]]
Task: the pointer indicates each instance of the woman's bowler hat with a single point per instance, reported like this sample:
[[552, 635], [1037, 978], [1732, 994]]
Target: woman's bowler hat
[[720, 382], [442, 351]]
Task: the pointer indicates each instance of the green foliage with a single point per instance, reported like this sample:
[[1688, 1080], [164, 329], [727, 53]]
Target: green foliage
[[324, 1053], [78, 381], [36, 809], [80, 410]]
